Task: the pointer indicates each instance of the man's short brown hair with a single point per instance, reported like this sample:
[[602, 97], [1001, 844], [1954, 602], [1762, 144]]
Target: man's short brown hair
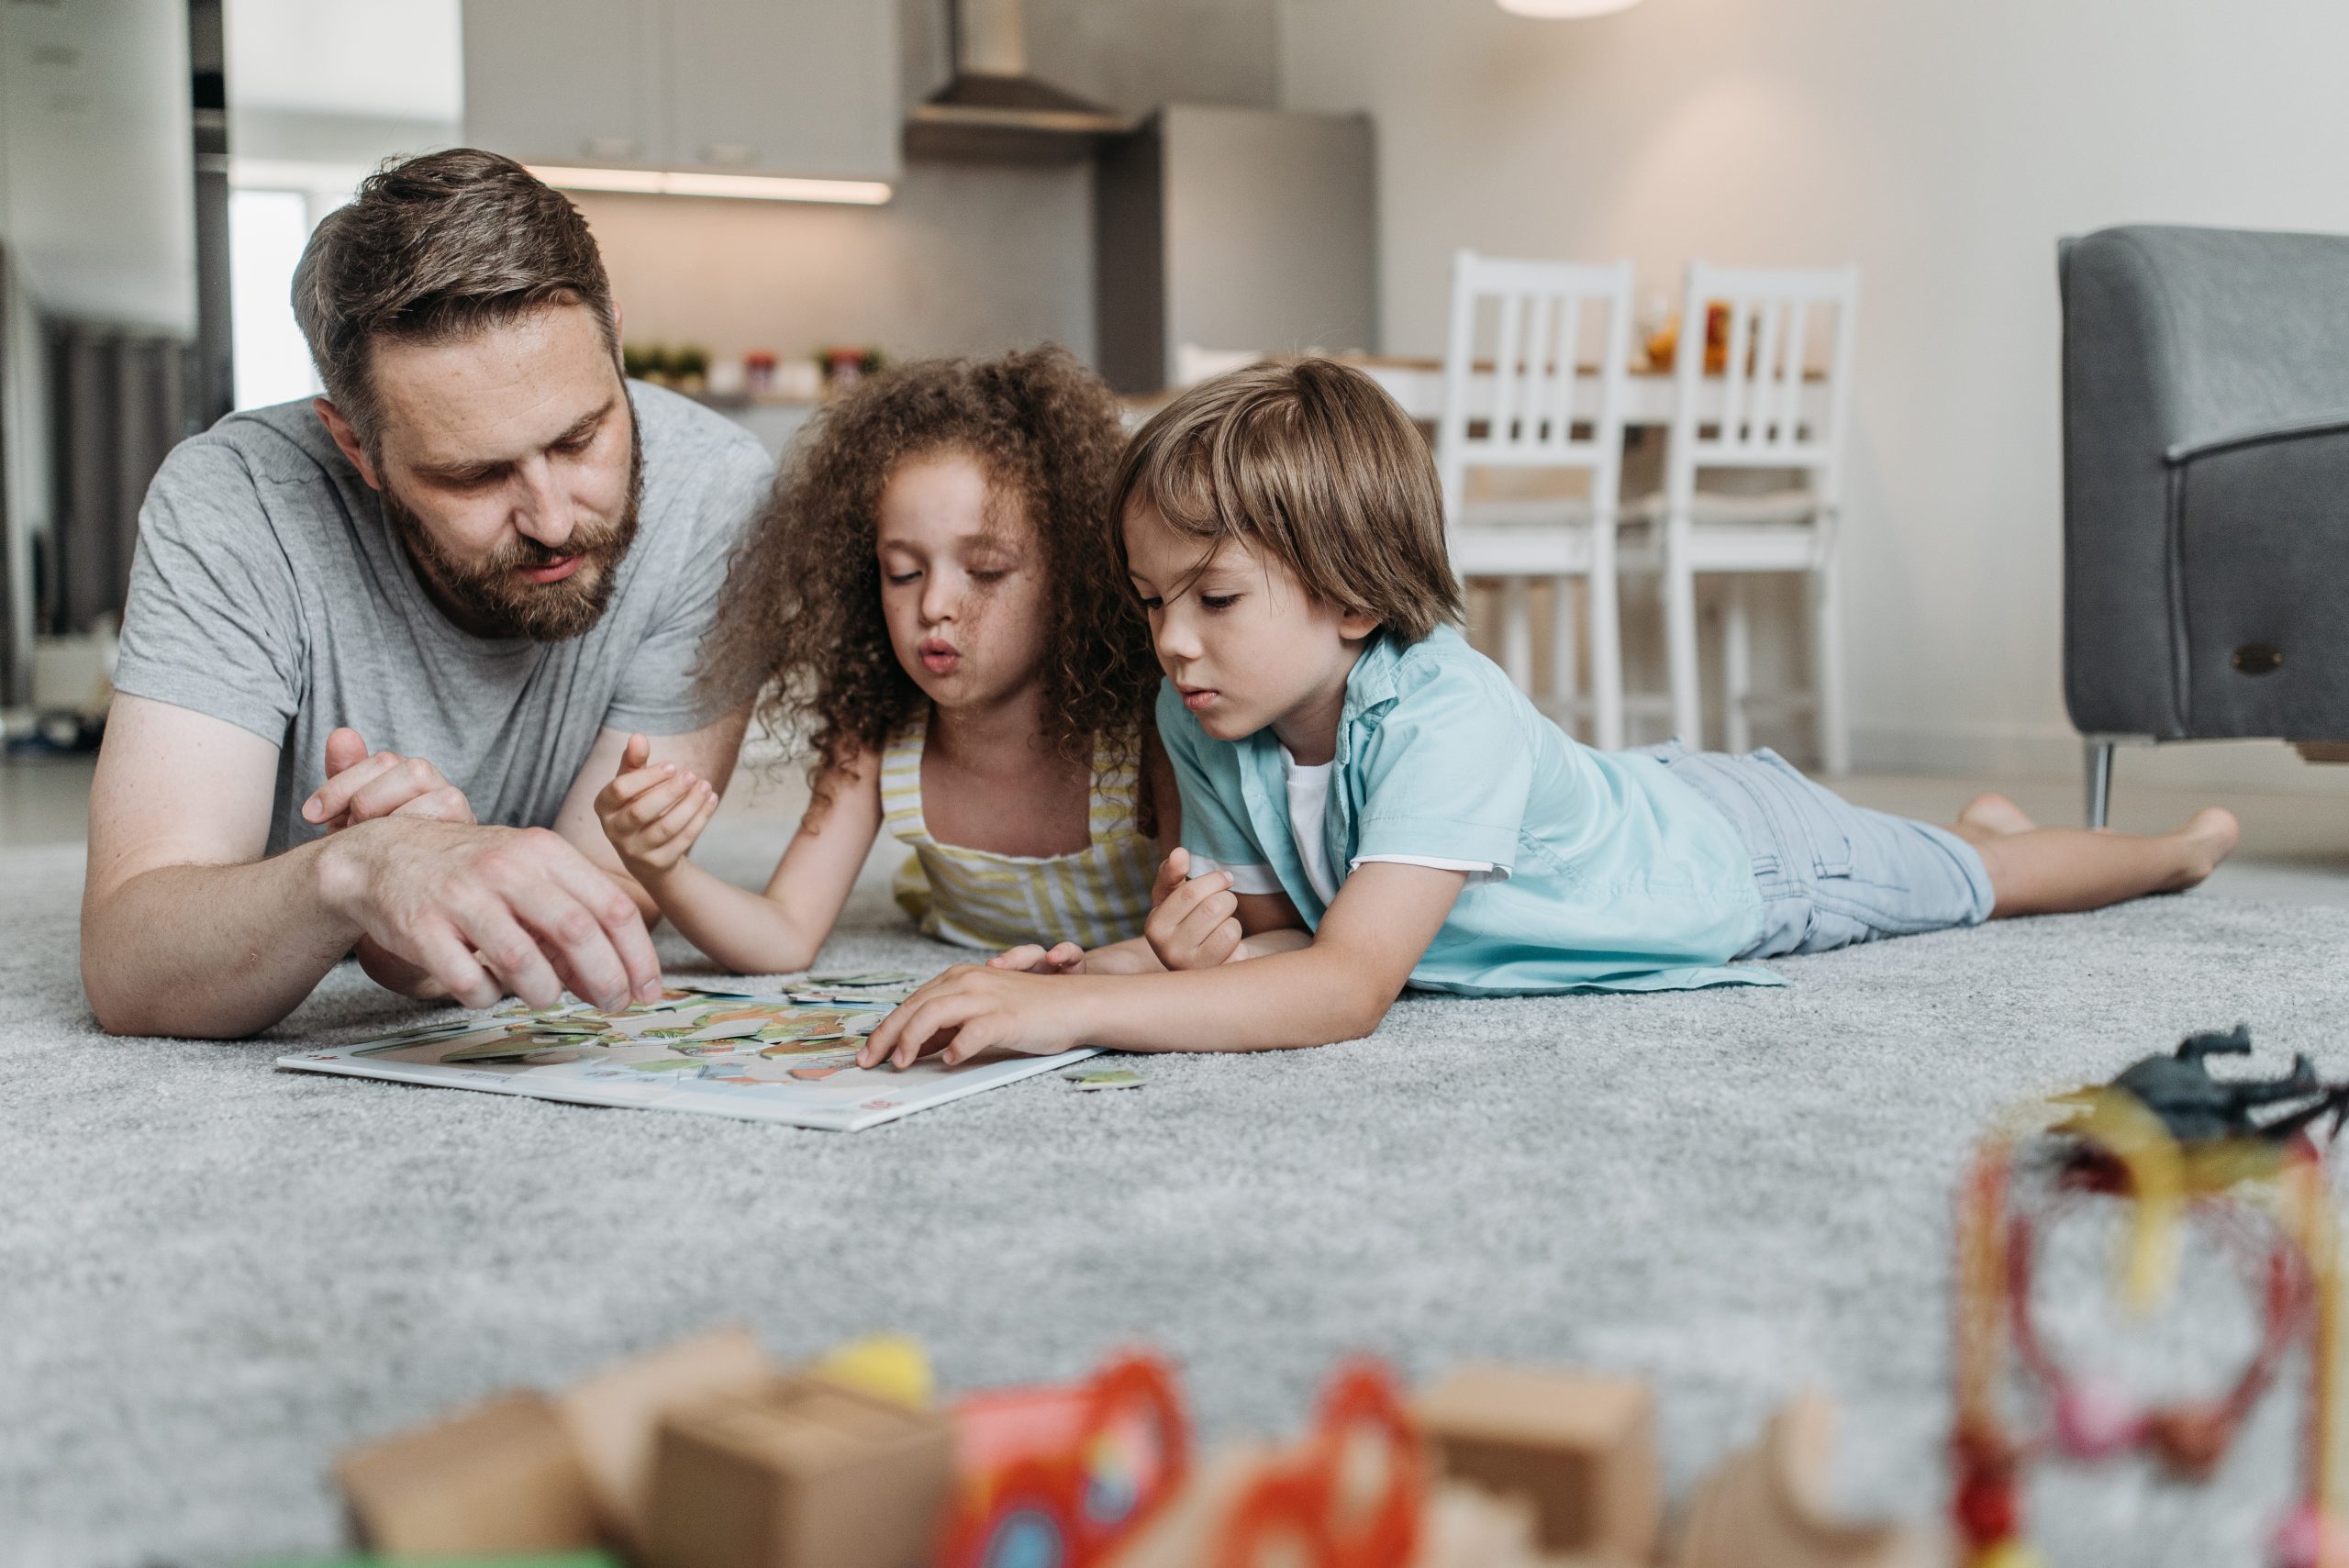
[[1312, 463], [434, 247]]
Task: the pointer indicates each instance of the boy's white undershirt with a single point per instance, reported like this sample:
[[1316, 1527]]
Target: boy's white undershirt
[[1309, 807]]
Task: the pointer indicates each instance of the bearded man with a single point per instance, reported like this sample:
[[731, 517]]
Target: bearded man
[[382, 646]]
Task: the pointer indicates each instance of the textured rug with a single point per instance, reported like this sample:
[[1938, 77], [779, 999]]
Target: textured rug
[[213, 1275]]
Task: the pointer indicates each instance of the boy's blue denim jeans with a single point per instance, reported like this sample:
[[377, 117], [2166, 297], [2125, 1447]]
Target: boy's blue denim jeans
[[1831, 873]]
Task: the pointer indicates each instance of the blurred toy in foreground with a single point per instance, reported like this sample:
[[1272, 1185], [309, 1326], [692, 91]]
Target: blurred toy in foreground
[[799, 1471], [1055, 1476], [1763, 1507], [1349, 1495], [1581, 1448], [527, 1473], [2197, 1108], [705, 1455], [2171, 1143]]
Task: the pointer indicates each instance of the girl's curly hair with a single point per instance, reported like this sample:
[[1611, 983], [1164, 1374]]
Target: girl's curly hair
[[799, 620]]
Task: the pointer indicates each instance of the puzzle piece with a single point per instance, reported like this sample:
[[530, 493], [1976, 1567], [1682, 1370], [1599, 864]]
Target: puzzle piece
[[1105, 1078]]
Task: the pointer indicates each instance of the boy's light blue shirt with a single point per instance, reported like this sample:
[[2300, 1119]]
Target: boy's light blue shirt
[[1620, 876]]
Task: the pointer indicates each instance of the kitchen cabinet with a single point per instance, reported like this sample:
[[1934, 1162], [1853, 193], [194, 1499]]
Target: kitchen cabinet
[[806, 87], [792, 88], [570, 82]]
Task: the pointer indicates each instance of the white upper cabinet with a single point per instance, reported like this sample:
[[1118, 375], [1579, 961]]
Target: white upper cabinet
[[566, 81], [789, 86], [804, 88]]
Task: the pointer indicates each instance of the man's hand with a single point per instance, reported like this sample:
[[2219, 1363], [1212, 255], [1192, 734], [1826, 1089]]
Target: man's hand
[[485, 911], [653, 812], [1193, 921], [393, 973], [971, 1008], [364, 787], [1061, 958]]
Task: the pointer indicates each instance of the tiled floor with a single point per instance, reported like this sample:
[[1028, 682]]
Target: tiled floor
[[2295, 847]]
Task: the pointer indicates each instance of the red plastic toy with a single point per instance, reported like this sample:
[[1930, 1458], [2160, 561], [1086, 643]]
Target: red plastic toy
[[1308, 1499], [1052, 1477]]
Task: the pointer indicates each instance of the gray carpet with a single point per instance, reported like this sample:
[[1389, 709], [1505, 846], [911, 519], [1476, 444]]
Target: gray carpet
[[213, 1275]]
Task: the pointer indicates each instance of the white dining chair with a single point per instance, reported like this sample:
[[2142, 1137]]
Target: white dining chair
[[1532, 411], [1771, 409]]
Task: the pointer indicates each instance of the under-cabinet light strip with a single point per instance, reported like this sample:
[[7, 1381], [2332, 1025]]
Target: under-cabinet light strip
[[686, 182]]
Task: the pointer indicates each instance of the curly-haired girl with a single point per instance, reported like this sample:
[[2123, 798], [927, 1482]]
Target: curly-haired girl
[[932, 600]]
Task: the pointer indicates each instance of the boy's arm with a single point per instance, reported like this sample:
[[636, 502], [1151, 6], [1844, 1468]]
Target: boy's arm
[[1337, 987], [1134, 955], [782, 928]]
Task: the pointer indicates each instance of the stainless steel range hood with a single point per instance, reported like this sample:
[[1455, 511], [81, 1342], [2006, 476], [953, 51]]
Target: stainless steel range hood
[[992, 109]]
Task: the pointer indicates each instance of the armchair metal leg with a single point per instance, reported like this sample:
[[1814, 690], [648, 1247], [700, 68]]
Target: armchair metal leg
[[2099, 780]]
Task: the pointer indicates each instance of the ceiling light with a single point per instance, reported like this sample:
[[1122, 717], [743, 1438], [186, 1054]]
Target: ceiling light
[[686, 182], [1561, 8]]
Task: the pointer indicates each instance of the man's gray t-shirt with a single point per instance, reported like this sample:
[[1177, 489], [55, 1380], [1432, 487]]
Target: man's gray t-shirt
[[270, 591]]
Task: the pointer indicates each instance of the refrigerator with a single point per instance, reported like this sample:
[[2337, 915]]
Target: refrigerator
[[1236, 232]]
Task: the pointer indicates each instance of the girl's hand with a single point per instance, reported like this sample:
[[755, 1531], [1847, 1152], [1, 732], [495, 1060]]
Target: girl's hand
[[971, 1008], [1065, 958], [653, 812], [1193, 922]]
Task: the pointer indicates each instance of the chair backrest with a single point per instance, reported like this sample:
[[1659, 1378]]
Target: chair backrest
[[1532, 409], [1762, 408]]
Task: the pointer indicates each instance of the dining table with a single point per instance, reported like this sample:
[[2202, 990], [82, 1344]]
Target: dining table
[[1650, 393]]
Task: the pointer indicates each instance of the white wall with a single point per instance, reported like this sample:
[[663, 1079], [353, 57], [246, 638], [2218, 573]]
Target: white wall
[[319, 92], [1944, 148], [964, 258]]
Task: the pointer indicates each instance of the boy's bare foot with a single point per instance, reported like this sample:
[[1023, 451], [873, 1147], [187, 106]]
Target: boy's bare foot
[[2209, 836], [1995, 814]]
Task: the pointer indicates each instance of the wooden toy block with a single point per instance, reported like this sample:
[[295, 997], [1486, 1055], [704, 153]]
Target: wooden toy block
[[614, 1417], [1466, 1527], [802, 1474], [502, 1477], [1763, 1507], [1581, 1447], [1183, 1533]]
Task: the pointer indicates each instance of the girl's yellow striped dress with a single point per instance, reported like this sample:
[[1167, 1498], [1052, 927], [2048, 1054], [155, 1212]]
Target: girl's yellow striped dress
[[979, 899]]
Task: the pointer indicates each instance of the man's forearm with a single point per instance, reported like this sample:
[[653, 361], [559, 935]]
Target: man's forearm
[[213, 952]]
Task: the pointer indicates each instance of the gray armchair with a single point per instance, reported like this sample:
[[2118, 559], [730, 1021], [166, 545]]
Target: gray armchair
[[2205, 488]]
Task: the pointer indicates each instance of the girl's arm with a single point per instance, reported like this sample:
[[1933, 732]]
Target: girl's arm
[[780, 929], [1337, 987], [1195, 923]]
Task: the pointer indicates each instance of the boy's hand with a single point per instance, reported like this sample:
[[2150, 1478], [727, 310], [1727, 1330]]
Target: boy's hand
[[971, 1008], [1193, 922], [1062, 958], [653, 812]]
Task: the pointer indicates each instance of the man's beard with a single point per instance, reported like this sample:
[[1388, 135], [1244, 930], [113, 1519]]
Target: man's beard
[[493, 596]]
